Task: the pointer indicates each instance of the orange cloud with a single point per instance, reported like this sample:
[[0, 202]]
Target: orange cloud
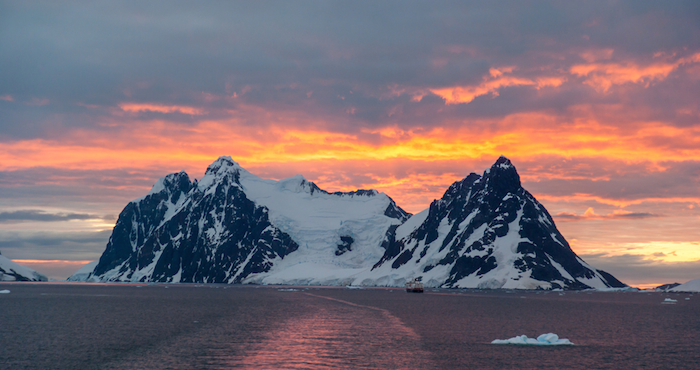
[[582, 198], [590, 214], [524, 136], [168, 147], [465, 94], [655, 250], [141, 107], [497, 79], [7, 97], [602, 76], [35, 262], [595, 55]]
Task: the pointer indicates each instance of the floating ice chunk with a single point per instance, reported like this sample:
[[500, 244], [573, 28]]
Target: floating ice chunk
[[549, 339], [4, 291], [288, 290], [353, 287], [669, 301]]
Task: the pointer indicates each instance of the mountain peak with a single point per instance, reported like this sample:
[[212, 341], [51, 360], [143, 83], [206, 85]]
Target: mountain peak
[[178, 180], [503, 162], [503, 176], [224, 163]]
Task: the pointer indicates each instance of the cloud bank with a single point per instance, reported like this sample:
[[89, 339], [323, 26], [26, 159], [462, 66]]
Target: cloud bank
[[595, 103]]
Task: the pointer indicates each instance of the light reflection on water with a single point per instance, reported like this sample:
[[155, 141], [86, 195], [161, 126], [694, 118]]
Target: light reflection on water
[[331, 336], [52, 326]]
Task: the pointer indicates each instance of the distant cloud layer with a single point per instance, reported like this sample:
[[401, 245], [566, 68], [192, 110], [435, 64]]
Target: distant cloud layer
[[34, 215], [596, 103], [590, 214]]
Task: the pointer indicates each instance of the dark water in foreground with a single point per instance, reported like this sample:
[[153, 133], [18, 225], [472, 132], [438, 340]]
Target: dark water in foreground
[[64, 326]]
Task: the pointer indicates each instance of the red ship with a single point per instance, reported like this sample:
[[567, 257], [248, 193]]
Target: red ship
[[415, 286]]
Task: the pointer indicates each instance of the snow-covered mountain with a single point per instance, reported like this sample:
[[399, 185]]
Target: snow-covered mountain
[[690, 286], [11, 271], [487, 232], [234, 227]]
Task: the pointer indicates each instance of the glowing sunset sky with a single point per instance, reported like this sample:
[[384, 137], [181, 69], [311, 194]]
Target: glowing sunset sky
[[597, 105]]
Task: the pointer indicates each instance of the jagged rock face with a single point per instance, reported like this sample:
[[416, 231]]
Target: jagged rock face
[[11, 271], [185, 232], [234, 227], [489, 232]]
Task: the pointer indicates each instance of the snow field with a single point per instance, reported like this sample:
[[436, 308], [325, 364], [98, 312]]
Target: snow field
[[691, 286]]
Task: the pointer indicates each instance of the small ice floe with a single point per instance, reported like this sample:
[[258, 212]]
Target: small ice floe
[[687, 299], [353, 287], [549, 339], [288, 290], [5, 291], [669, 301]]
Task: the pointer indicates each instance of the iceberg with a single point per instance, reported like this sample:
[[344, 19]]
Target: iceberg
[[549, 339], [4, 291]]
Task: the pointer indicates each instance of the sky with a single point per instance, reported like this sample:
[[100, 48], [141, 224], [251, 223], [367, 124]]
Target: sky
[[597, 104]]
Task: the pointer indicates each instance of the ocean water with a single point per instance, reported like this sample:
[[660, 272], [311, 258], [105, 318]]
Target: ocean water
[[120, 326]]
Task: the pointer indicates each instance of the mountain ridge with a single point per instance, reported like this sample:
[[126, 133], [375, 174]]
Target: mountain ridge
[[486, 231], [12, 271]]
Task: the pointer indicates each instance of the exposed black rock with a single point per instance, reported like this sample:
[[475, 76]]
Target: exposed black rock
[[490, 222], [666, 287], [345, 245], [185, 233]]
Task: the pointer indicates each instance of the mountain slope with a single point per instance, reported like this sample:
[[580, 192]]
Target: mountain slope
[[690, 286], [487, 232], [11, 271]]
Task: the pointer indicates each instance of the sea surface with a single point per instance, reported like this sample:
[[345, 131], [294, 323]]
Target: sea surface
[[134, 326]]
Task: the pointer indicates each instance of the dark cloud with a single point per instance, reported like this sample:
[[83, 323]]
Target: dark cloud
[[104, 53], [41, 216], [49, 186], [567, 216], [72, 246], [613, 180], [627, 268]]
